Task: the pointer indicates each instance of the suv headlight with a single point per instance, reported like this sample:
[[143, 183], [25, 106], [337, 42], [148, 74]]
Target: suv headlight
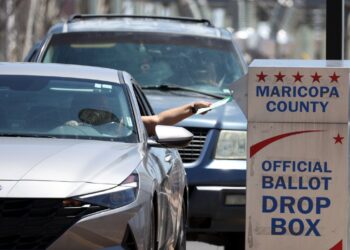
[[122, 195], [231, 145]]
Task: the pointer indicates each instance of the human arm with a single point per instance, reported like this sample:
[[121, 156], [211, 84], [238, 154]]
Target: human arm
[[172, 116]]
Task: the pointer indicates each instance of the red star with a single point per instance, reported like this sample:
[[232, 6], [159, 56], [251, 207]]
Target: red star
[[298, 77], [261, 77], [316, 77], [279, 77], [334, 77], [338, 139]]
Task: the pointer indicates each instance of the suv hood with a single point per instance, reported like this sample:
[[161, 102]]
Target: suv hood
[[66, 160], [228, 116]]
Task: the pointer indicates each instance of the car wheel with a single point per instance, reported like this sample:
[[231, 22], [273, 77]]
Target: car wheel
[[181, 239], [152, 230]]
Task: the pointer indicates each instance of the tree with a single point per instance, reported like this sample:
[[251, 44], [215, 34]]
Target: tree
[[189, 8], [28, 39], [11, 31]]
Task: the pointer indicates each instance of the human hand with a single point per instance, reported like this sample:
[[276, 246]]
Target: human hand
[[200, 104]]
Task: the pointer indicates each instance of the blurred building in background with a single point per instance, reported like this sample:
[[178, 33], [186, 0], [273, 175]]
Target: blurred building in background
[[264, 28]]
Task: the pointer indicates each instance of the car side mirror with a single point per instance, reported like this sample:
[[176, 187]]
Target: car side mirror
[[170, 136]]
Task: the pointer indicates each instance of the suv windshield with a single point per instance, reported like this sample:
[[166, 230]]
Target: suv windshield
[[36, 106], [201, 63]]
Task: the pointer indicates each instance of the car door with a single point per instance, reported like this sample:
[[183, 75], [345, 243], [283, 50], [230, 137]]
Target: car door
[[170, 181]]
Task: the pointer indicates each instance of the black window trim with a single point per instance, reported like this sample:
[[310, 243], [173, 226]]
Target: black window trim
[[142, 100]]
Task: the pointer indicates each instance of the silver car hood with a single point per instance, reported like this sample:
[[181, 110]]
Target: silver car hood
[[65, 165]]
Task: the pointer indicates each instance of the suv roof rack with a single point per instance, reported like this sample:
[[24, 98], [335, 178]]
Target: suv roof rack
[[111, 16]]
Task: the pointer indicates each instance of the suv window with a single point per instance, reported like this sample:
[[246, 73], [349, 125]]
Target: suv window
[[202, 63], [33, 53], [144, 106]]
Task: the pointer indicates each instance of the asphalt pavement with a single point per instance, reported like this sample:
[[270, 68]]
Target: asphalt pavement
[[237, 244], [196, 245]]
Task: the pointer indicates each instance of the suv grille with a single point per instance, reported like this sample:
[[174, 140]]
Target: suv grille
[[36, 223], [194, 149]]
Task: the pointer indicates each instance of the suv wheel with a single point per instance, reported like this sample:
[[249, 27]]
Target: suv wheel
[[234, 241]]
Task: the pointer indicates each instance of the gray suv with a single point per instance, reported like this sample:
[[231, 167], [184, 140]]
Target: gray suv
[[176, 61]]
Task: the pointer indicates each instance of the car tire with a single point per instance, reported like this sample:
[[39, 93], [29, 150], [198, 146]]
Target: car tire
[[152, 242], [181, 239]]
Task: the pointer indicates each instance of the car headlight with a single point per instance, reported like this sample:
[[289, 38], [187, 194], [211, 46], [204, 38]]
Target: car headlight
[[122, 195], [231, 145]]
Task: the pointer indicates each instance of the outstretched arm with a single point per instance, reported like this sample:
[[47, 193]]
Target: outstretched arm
[[172, 116]]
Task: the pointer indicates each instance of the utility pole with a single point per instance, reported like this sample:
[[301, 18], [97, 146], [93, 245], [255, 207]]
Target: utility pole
[[335, 29]]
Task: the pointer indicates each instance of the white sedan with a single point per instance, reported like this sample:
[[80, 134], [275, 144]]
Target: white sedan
[[78, 170]]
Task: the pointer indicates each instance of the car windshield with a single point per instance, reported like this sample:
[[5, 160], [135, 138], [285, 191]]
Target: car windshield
[[37, 106], [201, 63]]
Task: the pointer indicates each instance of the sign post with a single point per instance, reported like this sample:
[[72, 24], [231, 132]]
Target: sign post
[[297, 174]]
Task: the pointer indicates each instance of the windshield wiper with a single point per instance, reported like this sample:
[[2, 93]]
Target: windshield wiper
[[168, 87], [25, 135]]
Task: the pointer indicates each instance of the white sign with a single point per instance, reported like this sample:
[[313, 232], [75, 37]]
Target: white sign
[[298, 91], [297, 186], [297, 174]]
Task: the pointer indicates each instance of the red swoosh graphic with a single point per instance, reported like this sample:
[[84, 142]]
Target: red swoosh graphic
[[260, 145], [338, 246]]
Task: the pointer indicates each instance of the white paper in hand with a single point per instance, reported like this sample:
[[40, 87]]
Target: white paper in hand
[[215, 105]]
